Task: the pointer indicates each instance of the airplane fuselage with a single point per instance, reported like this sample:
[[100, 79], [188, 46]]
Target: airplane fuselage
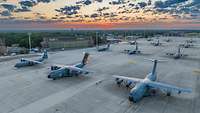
[[140, 89], [57, 72], [23, 64], [102, 49], [62, 72], [134, 52]]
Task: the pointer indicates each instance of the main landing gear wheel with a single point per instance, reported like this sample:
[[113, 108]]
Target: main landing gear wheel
[[168, 94]]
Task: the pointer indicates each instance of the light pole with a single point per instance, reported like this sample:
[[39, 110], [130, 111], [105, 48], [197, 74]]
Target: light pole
[[29, 40], [97, 41]]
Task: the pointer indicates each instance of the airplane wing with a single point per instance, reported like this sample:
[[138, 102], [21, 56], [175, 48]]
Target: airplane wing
[[34, 61], [73, 68], [168, 88], [184, 55], [170, 54], [134, 80]]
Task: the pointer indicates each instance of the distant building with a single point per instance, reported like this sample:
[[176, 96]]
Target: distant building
[[16, 49], [66, 42]]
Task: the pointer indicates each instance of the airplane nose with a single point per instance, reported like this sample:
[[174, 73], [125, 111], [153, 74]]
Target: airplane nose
[[49, 76], [16, 65], [130, 98]]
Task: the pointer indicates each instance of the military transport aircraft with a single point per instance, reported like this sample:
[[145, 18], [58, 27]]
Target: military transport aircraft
[[144, 87], [187, 45], [133, 42], [135, 51], [168, 40], [149, 39], [59, 71], [156, 43], [177, 55], [104, 48], [26, 62]]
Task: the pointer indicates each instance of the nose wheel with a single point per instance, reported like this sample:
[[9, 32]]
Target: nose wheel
[[130, 98], [168, 94]]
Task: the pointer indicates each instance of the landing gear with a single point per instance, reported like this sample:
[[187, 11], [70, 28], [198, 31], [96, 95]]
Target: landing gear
[[168, 94], [131, 99]]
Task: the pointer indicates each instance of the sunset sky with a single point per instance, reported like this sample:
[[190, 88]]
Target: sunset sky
[[100, 14]]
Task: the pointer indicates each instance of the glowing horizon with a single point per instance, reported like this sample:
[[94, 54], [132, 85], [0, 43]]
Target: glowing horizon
[[103, 14]]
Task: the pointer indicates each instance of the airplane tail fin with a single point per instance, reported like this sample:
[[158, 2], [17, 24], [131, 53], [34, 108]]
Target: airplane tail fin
[[85, 58], [179, 49], [153, 72], [136, 46], [108, 46], [45, 55]]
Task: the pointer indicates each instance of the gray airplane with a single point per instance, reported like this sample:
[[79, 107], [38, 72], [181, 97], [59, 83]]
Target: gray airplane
[[168, 40], [144, 87], [104, 48], [26, 62], [177, 55], [135, 51], [60, 71], [157, 43], [187, 45]]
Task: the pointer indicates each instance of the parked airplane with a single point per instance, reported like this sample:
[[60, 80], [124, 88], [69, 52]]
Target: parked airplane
[[178, 54], [113, 40], [133, 42], [148, 85], [104, 48], [156, 43], [135, 51], [168, 40], [191, 41], [25, 62], [149, 39], [59, 71], [187, 45]]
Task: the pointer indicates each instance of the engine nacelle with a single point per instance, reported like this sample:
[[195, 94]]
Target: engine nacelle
[[119, 81], [55, 67], [128, 84]]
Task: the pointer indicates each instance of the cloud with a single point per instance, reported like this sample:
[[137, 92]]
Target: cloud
[[84, 2], [116, 2], [9, 7], [142, 4], [167, 3], [5, 13], [28, 3], [69, 10]]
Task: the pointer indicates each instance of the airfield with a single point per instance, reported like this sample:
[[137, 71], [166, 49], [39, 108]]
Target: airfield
[[28, 90]]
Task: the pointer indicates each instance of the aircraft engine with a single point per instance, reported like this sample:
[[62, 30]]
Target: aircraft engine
[[128, 84], [55, 67], [168, 94], [119, 82], [22, 59]]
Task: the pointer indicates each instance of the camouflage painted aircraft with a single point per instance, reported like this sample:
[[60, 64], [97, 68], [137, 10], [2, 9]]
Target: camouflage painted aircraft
[[60, 71]]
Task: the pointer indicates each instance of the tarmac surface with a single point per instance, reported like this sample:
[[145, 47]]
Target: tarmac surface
[[28, 90]]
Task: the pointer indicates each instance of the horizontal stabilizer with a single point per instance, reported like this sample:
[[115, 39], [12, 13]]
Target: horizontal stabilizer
[[153, 60]]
